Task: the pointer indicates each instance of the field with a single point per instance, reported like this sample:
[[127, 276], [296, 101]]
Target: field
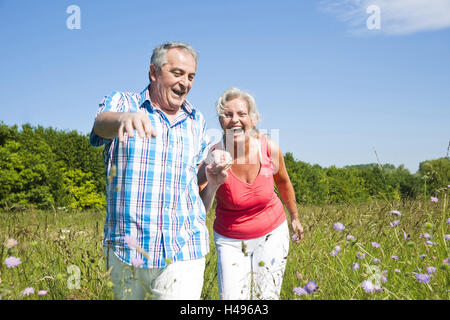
[[401, 248]]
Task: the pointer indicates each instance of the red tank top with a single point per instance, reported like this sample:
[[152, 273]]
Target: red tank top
[[248, 211]]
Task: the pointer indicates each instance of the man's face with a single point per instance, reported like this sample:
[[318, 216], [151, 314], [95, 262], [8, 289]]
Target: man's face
[[172, 83]]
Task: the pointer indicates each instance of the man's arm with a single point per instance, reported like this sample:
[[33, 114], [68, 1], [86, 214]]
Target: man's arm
[[110, 125]]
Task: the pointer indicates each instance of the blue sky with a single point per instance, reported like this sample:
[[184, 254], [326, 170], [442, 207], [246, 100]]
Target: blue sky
[[334, 89]]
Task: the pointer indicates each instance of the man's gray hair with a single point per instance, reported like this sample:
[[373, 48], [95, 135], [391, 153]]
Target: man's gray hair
[[159, 56], [233, 93]]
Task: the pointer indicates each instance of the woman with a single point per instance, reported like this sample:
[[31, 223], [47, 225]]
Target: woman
[[250, 230]]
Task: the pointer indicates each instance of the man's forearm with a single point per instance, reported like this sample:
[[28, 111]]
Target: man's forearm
[[107, 124]]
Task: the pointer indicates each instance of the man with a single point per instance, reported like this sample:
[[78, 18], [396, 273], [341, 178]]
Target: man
[[155, 233]]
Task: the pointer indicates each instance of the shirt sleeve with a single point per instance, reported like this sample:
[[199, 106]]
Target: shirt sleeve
[[114, 103]]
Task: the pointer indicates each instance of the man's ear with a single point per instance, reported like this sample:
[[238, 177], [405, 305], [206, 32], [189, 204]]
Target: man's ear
[[152, 73]]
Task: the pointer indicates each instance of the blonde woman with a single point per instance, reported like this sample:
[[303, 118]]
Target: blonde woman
[[250, 230]]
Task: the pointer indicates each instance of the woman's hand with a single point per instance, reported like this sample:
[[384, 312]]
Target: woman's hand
[[219, 161], [297, 229]]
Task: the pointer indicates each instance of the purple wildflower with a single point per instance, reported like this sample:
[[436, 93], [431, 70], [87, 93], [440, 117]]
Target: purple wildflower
[[376, 244], [431, 270], [42, 292], [430, 243], [300, 291], [310, 287], [10, 243], [396, 212], [394, 223], [360, 255], [445, 261], [339, 226], [355, 266], [448, 220], [422, 256], [426, 236], [370, 287], [447, 237], [12, 262], [397, 270], [422, 277], [395, 257], [350, 237], [434, 199], [131, 241], [137, 262], [376, 260], [28, 291]]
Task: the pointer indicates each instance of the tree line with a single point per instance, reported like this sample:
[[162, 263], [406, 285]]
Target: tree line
[[48, 168]]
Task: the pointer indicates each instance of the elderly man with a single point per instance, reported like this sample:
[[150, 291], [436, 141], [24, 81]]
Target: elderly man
[[155, 233]]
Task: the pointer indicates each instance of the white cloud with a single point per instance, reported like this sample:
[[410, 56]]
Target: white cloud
[[397, 16]]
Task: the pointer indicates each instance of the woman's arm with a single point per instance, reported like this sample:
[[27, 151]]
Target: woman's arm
[[285, 188]]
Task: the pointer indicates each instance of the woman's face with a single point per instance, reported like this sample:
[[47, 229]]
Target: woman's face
[[236, 121]]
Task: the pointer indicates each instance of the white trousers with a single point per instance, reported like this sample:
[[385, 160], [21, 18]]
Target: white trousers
[[180, 280], [262, 260]]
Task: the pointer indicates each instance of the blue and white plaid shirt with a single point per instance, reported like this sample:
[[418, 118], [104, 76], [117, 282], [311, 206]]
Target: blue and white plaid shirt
[[151, 187]]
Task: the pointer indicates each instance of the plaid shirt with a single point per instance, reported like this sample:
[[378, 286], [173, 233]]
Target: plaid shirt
[[151, 185]]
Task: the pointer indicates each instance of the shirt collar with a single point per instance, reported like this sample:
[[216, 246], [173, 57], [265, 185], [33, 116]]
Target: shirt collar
[[186, 106]]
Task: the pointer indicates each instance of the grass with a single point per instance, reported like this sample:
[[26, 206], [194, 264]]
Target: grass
[[51, 243]]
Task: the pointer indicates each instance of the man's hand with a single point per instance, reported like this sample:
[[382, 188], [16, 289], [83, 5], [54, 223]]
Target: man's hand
[[219, 161], [130, 121], [115, 124]]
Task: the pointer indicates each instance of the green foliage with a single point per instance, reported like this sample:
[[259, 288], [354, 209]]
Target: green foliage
[[360, 183], [436, 174], [48, 168], [83, 191]]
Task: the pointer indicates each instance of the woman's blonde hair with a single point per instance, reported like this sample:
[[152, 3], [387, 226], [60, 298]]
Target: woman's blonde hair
[[234, 93]]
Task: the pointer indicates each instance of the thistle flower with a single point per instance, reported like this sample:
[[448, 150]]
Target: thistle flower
[[12, 262], [339, 226], [422, 277]]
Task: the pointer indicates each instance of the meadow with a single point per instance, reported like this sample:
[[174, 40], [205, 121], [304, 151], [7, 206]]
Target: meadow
[[374, 250]]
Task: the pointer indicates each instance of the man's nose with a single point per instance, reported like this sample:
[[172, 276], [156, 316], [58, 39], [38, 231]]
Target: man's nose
[[184, 81]]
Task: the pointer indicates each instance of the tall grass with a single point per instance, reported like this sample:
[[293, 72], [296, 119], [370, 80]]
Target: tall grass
[[49, 243]]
